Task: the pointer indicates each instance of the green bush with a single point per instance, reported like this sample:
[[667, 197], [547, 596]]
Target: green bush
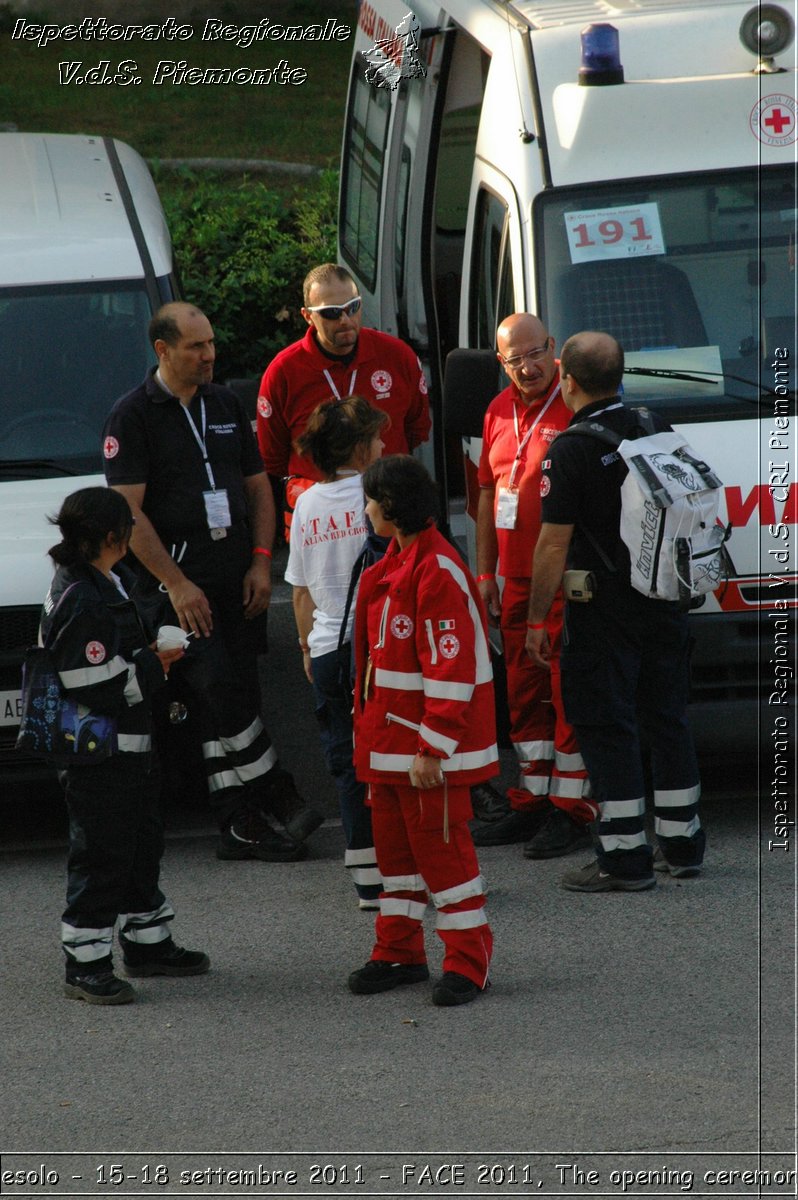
[[242, 250]]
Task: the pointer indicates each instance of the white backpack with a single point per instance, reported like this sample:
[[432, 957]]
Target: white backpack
[[669, 513]]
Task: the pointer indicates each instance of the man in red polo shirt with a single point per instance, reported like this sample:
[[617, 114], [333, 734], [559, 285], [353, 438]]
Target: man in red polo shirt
[[550, 809], [336, 358]]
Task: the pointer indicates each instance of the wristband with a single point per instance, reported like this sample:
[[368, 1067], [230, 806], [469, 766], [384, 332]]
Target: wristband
[[482, 578], [532, 625], [261, 550]]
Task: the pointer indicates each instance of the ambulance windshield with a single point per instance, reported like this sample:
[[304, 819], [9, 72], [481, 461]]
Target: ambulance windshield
[[695, 276], [66, 354]]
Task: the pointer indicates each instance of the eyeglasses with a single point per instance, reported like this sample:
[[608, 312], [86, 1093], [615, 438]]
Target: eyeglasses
[[517, 361], [334, 312]]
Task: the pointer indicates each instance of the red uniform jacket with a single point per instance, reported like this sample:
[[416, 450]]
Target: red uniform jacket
[[384, 371], [424, 667]]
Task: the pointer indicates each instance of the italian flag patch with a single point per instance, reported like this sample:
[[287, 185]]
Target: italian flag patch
[[442, 625]]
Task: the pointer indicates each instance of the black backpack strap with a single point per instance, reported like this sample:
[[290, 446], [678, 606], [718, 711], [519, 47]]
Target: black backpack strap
[[358, 567], [50, 638], [600, 432]]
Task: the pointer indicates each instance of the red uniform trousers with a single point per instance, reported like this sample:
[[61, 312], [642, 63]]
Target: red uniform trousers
[[416, 864], [545, 744]]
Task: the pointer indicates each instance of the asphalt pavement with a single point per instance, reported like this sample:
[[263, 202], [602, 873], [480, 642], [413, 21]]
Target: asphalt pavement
[[631, 1044]]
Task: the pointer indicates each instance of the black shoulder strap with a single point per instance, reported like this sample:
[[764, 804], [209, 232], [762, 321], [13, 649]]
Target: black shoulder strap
[[593, 429], [50, 639], [596, 430], [357, 570], [645, 426]]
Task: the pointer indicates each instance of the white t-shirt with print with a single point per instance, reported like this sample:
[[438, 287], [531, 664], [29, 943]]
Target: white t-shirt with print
[[327, 534]]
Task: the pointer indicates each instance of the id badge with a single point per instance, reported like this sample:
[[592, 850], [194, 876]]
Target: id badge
[[217, 510], [507, 509]]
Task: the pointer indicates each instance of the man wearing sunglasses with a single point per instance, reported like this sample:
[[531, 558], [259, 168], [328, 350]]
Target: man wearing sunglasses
[[336, 358], [550, 808]]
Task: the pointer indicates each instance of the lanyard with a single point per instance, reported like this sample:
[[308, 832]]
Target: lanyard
[[200, 440], [522, 444], [334, 389]]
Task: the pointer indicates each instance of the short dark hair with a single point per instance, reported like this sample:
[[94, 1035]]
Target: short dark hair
[[324, 273], [163, 326], [85, 519], [404, 490], [596, 366], [164, 329], [336, 428]]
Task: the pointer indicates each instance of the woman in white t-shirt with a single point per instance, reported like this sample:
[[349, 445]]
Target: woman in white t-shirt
[[328, 533]]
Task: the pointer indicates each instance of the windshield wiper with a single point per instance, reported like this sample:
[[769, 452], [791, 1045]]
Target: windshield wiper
[[699, 376], [36, 464]]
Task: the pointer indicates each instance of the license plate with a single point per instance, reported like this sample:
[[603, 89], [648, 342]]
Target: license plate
[[10, 708]]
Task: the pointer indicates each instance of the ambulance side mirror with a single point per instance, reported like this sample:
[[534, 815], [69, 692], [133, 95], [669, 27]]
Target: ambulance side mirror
[[470, 381]]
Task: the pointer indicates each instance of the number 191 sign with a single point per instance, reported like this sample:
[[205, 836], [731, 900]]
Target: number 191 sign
[[614, 233]]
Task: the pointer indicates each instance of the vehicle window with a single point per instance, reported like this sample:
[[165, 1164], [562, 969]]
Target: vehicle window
[[363, 166], [401, 220], [66, 355], [694, 275], [492, 291]]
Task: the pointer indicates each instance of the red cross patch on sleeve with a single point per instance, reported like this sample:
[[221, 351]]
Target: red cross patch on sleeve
[[95, 653]]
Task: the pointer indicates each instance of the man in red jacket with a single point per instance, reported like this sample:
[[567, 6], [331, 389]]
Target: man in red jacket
[[336, 358], [550, 808], [424, 732]]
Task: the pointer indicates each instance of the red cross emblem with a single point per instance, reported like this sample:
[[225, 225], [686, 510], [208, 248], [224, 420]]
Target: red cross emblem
[[110, 447], [95, 653], [773, 120], [264, 407], [449, 646], [381, 381], [777, 121], [401, 626]]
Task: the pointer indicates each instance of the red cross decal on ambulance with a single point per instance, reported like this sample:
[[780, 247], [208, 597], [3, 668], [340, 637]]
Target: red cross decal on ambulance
[[774, 120]]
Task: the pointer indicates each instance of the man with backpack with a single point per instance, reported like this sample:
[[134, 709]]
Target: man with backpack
[[624, 664]]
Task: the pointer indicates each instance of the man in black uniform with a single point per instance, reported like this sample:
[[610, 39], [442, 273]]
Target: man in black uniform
[[182, 452], [625, 658]]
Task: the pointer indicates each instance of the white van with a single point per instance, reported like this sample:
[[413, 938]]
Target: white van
[[85, 259], [628, 167]]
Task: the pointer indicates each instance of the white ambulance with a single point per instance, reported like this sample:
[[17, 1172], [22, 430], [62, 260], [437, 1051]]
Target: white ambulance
[[85, 259], [627, 165]]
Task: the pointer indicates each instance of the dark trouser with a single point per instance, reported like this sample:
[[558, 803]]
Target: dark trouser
[[334, 715], [625, 679], [113, 866], [218, 678]]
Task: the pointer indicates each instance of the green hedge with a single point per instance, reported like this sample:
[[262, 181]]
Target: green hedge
[[242, 249]]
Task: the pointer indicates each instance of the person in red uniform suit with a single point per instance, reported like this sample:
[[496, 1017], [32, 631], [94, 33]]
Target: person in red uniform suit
[[336, 358], [424, 732], [551, 806]]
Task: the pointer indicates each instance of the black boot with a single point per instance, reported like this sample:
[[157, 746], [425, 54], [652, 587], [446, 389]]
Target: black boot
[[252, 835], [283, 801]]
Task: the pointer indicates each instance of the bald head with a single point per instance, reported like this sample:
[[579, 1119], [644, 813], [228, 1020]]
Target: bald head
[[591, 366], [526, 352]]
